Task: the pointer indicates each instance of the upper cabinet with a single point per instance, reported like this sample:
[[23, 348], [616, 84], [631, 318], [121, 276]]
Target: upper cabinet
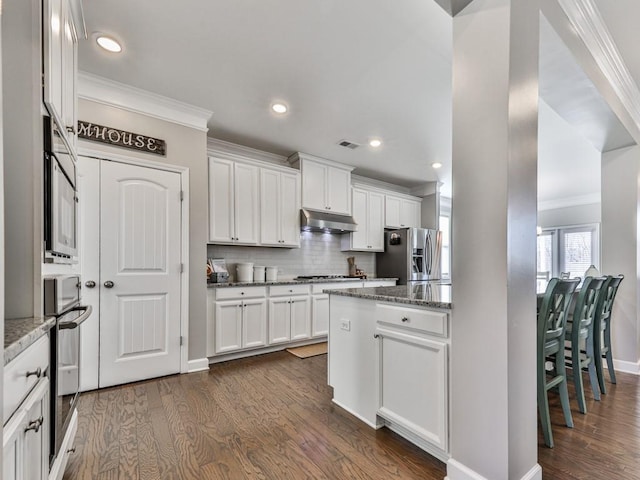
[[401, 212], [279, 208], [368, 211], [233, 202], [63, 25], [326, 185]]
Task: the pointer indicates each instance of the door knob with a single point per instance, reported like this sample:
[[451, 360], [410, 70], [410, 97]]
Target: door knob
[[108, 284], [90, 284]]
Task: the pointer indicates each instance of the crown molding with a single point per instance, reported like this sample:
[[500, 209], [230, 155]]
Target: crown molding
[[108, 92], [359, 180], [565, 202], [589, 26], [233, 151]]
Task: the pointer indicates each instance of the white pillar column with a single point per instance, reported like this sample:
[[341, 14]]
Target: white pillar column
[[495, 115], [620, 180]]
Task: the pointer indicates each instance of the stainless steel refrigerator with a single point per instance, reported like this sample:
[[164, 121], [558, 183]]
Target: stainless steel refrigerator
[[411, 255]]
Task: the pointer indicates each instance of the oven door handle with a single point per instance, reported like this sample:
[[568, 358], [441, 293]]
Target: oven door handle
[[87, 310]]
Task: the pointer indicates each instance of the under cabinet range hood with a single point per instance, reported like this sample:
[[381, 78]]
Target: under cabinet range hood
[[326, 222]]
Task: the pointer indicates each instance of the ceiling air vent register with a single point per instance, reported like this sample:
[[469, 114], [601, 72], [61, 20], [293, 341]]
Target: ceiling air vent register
[[348, 144]]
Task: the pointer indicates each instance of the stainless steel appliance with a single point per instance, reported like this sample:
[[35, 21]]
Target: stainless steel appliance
[[411, 255], [62, 300], [60, 198]]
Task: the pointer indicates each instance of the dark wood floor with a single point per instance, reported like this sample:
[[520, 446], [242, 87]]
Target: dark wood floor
[[271, 417]]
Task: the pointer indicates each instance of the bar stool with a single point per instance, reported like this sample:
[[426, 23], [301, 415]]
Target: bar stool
[[579, 334], [552, 320], [602, 330]]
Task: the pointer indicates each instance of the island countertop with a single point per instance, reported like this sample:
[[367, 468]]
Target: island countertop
[[424, 294], [20, 333]]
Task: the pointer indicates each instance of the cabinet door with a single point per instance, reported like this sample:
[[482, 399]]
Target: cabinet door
[[359, 238], [270, 210], [279, 319], [375, 221], [246, 200], [290, 209], [392, 207], [221, 208], [300, 318], [254, 323], [339, 190], [211, 322], [69, 69], [319, 315], [413, 378], [410, 214], [228, 322], [36, 434], [314, 181], [53, 31], [12, 451]]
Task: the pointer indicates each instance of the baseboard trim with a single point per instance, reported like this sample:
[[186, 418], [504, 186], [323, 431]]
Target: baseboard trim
[[458, 471], [627, 367], [197, 365]]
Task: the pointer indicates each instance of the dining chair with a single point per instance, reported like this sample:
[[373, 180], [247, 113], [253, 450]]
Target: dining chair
[[565, 275], [552, 319], [579, 336], [602, 330]]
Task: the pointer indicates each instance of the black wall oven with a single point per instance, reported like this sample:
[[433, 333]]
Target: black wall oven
[[62, 300], [60, 198]]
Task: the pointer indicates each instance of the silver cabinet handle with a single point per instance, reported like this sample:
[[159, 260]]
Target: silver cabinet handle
[[72, 450], [108, 284], [90, 284], [375, 335], [35, 425], [37, 372], [405, 319]]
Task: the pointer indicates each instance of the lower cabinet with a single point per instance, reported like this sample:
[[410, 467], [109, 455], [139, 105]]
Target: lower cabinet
[[240, 324], [26, 437], [289, 319], [319, 315]]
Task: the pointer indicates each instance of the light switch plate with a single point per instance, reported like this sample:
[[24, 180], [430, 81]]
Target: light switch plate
[[345, 325]]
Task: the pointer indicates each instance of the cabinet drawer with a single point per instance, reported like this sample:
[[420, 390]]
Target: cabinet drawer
[[428, 321], [286, 290], [17, 384], [319, 287], [240, 292]]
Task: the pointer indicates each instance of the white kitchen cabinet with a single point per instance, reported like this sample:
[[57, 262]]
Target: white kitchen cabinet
[[25, 445], [401, 212], [319, 315], [279, 208], [233, 202], [240, 324], [62, 27], [368, 212], [289, 313], [325, 184]]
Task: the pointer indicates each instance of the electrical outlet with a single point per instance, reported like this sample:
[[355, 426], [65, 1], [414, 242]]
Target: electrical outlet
[[345, 325]]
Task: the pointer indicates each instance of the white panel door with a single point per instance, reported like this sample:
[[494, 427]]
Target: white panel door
[[246, 199], [319, 315], [254, 323], [270, 208], [300, 318], [221, 216], [359, 237], [339, 190], [279, 320], [314, 181], [228, 326], [375, 221], [140, 255], [290, 209]]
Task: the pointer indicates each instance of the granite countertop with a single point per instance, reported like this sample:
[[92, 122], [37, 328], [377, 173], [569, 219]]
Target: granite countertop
[[423, 294], [295, 282], [20, 333]]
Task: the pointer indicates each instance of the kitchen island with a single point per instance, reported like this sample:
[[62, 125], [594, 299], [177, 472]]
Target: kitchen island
[[389, 359]]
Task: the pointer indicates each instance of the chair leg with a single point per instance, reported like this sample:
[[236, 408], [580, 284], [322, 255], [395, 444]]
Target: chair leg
[[577, 378], [564, 390], [545, 417], [597, 359], [612, 372], [593, 379]]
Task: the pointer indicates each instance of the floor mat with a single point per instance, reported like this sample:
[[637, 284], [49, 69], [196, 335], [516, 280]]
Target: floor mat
[[309, 350]]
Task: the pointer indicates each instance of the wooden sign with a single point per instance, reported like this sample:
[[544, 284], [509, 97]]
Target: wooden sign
[[121, 138]]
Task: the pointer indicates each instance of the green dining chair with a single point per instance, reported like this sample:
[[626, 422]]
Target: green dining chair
[[579, 334], [602, 330], [552, 319]]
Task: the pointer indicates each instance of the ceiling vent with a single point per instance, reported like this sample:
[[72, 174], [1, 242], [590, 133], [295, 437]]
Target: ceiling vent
[[348, 144]]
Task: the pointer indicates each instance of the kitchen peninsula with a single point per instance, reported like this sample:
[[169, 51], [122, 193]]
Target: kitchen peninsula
[[389, 359]]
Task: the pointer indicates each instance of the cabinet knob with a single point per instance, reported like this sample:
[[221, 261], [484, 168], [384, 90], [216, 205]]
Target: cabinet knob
[[37, 372], [405, 319], [34, 425], [71, 130]]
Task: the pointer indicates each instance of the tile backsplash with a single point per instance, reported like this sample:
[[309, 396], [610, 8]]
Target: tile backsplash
[[319, 254]]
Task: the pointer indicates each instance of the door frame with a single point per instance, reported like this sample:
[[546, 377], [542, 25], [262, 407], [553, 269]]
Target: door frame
[[184, 233]]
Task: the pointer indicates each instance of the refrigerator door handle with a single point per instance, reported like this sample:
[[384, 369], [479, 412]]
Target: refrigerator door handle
[[428, 255]]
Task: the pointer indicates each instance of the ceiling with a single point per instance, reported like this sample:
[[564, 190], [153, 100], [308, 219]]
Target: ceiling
[[347, 70]]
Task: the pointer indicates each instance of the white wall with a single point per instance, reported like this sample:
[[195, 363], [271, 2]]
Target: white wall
[[574, 215], [185, 147], [621, 250]]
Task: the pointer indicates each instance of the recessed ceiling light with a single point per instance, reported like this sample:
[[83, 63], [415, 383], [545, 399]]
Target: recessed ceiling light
[[109, 44], [375, 143], [436, 165], [279, 108]]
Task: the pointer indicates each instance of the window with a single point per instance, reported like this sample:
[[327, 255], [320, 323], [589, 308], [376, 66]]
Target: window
[[445, 262], [568, 250]]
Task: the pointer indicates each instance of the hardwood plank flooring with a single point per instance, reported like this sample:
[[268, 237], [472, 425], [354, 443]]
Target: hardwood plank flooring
[[270, 417]]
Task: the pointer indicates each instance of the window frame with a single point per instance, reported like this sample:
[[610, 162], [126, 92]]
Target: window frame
[[557, 243]]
